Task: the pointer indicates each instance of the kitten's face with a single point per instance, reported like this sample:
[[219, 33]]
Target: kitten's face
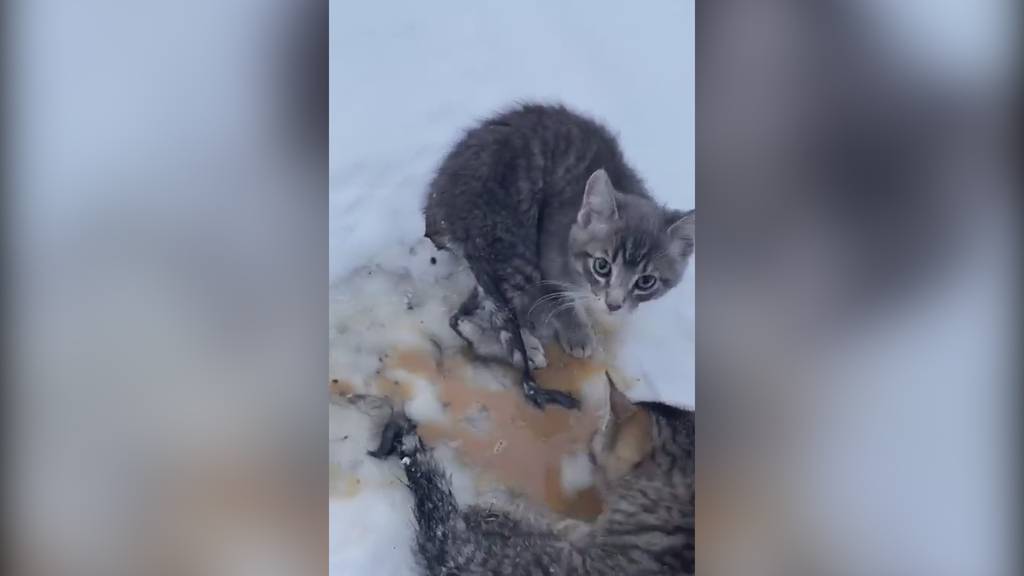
[[629, 249]]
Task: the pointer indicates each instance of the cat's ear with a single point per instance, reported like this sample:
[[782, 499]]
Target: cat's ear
[[598, 200], [619, 406], [627, 434], [681, 232]]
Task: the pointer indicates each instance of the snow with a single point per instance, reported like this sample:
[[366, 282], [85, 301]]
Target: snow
[[577, 473], [374, 529], [405, 81]]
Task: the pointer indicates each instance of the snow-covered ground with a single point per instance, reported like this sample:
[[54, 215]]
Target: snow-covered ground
[[404, 82]]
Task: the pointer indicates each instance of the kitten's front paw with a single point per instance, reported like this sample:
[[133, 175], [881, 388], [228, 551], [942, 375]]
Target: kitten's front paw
[[578, 341]]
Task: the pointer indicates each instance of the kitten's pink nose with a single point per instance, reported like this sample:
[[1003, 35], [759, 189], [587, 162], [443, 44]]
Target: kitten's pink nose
[[613, 299]]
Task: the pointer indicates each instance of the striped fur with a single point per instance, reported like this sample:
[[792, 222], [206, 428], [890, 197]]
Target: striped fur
[[532, 198], [647, 527]]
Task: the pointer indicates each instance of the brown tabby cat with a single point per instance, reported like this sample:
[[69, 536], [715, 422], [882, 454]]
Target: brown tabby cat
[[643, 453]]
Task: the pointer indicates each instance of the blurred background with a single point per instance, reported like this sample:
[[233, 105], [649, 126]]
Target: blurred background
[[165, 191], [857, 306], [165, 237]]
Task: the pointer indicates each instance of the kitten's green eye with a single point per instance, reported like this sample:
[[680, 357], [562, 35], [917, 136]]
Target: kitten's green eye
[[646, 282], [602, 267]]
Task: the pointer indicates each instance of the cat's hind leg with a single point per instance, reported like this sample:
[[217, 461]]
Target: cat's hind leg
[[476, 322], [554, 315], [488, 331], [503, 290]]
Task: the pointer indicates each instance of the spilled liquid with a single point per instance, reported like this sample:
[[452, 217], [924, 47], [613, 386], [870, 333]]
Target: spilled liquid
[[506, 441]]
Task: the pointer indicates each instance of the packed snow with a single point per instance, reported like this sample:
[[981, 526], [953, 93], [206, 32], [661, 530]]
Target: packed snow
[[404, 83]]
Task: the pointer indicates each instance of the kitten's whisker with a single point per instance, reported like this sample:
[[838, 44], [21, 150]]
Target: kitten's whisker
[[558, 309], [552, 296], [547, 298]]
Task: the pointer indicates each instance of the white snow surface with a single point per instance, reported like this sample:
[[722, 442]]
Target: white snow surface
[[406, 78]]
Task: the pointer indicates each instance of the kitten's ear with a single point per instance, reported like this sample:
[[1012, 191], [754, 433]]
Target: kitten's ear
[[682, 232], [598, 200]]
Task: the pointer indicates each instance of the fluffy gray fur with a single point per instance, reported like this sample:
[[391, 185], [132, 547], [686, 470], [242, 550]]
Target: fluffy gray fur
[[646, 528], [543, 206]]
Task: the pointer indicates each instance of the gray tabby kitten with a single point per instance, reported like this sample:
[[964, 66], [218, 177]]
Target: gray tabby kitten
[[542, 205], [644, 454]]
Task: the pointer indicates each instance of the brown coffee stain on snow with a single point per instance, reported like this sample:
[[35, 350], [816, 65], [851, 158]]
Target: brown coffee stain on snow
[[496, 432]]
